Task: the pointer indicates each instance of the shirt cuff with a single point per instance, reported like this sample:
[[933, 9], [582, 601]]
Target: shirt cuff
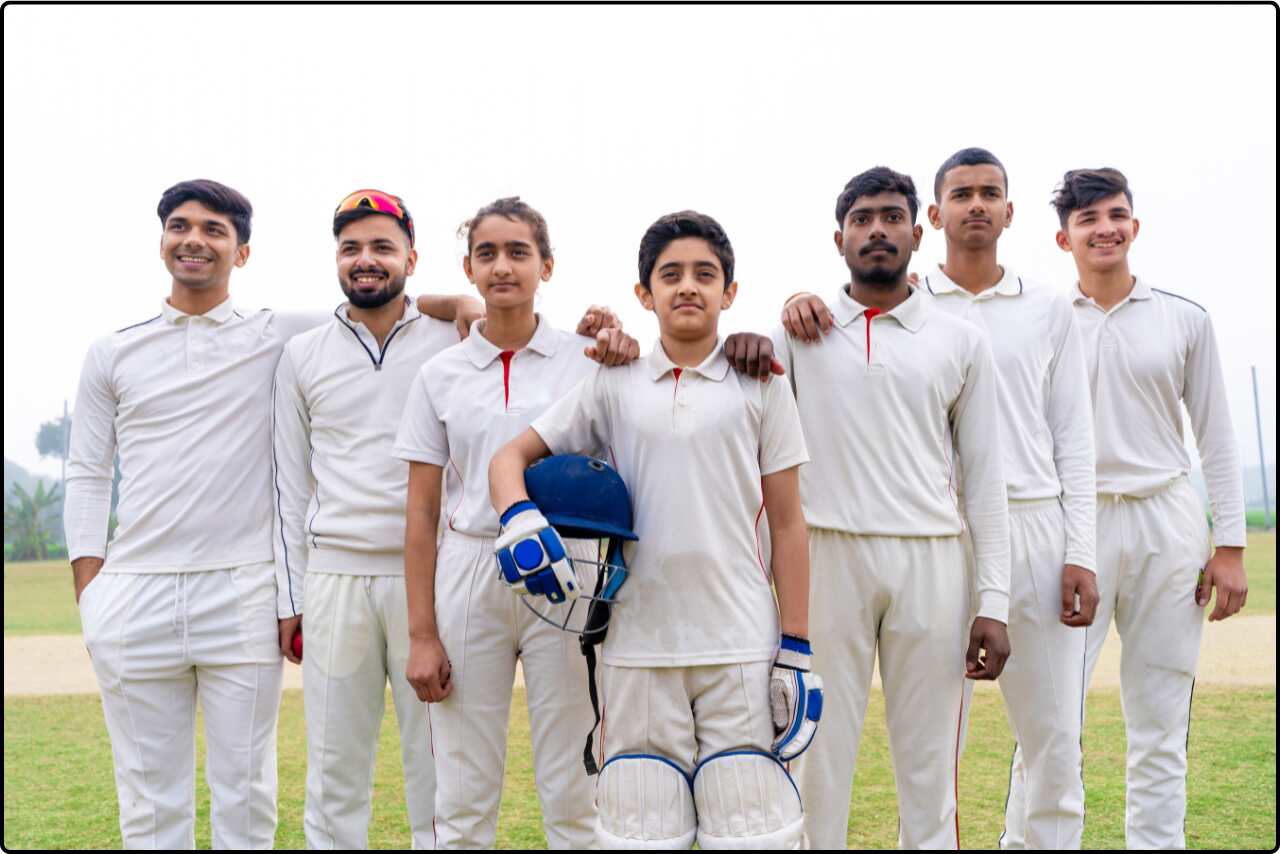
[[1083, 559], [994, 605]]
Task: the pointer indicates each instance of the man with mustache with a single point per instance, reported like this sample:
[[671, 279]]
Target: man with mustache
[[892, 390], [340, 519], [1047, 438]]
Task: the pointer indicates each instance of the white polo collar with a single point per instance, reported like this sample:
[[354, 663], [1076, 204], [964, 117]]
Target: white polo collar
[[938, 283], [220, 313], [1141, 290], [481, 351], [715, 367], [910, 313], [410, 313]]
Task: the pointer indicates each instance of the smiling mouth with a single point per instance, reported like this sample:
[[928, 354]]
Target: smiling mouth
[[368, 278], [1104, 244], [194, 259]]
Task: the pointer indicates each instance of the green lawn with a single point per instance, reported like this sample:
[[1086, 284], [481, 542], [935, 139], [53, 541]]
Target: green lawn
[[39, 599], [59, 790]]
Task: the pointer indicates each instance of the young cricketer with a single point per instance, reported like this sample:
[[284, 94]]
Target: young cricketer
[[693, 649], [893, 395], [1149, 354]]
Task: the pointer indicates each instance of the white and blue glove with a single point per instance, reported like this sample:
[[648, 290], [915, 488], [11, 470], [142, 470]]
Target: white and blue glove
[[531, 559], [795, 699]]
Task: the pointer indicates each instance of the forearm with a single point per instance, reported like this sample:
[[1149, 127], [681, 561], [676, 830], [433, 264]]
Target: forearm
[[420, 554], [443, 307], [83, 571], [86, 517], [506, 470], [791, 575]]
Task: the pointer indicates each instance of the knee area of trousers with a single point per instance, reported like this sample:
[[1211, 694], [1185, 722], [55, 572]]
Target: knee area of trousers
[[746, 799], [644, 802]]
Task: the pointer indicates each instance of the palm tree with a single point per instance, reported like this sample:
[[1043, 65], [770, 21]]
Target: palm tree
[[24, 524]]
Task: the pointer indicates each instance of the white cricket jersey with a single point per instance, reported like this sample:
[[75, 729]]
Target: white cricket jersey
[[888, 400], [472, 399], [1046, 417], [1149, 354], [186, 401], [691, 445], [339, 494]]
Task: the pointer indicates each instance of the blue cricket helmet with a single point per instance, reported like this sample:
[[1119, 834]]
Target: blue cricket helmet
[[583, 498]]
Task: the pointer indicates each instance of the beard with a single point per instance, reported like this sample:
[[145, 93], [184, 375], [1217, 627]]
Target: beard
[[882, 278], [377, 299]]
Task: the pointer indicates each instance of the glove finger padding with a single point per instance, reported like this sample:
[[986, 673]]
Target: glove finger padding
[[795, 701], [531, 558]]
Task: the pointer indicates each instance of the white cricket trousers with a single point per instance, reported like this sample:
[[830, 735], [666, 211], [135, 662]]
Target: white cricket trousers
[[356, 637], [484, 628], [160, 641], [1150, 553], [908, 598], [1043, 687]]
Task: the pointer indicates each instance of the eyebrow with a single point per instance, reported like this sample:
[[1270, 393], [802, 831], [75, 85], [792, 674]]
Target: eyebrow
[[976, 186], [701, 262], [885, 209]]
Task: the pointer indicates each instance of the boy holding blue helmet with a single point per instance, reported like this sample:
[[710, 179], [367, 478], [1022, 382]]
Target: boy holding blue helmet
[[714, 702]]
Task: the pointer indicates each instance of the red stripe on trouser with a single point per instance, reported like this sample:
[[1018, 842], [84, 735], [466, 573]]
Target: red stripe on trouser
[[955, 768]]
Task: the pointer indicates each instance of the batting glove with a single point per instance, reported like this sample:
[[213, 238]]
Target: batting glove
[[531, 558], [795, 699]]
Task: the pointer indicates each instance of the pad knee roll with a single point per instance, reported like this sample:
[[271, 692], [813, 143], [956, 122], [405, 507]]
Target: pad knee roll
[[644, 802], [746, 799]]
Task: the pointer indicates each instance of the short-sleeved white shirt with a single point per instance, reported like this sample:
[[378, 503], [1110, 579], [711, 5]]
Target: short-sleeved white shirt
[[1046, 420], [471, 399], [691, 446], [186, 400], [1152, 353]]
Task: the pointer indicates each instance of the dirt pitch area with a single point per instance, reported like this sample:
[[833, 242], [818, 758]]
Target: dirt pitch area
[[1239, 651]]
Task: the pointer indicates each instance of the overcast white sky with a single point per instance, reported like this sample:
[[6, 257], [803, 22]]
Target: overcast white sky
[[604, 119]]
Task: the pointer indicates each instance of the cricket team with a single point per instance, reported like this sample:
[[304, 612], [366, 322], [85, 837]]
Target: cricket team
[[959, 473]]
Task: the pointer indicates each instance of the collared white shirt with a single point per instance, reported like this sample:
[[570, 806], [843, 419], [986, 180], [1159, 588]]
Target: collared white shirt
[[691, 445], [339, 494], [1150, 354], [186, 401], [472, 399], [888, 400], [1046, 416]]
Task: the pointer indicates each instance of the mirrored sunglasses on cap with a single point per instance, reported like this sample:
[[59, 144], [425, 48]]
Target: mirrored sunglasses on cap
[[378, 201]]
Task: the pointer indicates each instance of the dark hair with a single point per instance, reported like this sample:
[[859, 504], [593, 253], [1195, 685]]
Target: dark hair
[[216, 197], [967, 157], [517, 211], [670, 228], [1082, 187], [880, 179]]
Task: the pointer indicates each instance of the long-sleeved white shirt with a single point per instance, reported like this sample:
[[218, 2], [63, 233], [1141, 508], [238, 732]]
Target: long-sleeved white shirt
[[186, 401], [1150, 354], [339, 493], [1046, 415], [887, 400]]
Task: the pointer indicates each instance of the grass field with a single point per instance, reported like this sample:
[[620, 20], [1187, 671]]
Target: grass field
[[39, 600], [59, 790]]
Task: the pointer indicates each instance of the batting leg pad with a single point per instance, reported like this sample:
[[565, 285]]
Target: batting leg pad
[[644, 802], [746, 799]]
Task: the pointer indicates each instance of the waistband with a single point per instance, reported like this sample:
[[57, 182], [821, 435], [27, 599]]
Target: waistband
[[1178, 482], [1027, 505], [461, 539]]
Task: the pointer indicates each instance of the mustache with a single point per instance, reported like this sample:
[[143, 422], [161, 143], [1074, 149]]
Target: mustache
[[879, 244]]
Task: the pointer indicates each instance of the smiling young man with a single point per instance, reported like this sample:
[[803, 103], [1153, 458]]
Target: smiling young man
[[1046, 433], [180, 606], [1149, 354], [917, 388]]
